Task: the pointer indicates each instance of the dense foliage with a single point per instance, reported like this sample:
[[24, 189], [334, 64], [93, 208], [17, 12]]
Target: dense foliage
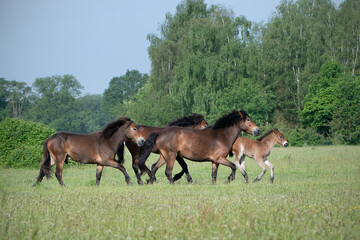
[[298, 72], [21, 142]]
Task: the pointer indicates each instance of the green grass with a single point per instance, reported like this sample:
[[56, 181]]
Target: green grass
[[315, 196]]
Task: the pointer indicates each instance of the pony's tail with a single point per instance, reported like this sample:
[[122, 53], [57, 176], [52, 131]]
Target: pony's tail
[[120, 154], [45, 165], [147, 149]]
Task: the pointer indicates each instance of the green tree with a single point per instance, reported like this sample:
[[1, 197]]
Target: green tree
[[90, 115], [14, 96], [296, 42], [319, 104], [54, 101], [345, 123], [201, 54], [348, 35], [122, 89]]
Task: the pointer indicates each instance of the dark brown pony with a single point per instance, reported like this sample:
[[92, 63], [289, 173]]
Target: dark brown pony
[[195, 121], [94, 148], [211, 144], [259, 150]]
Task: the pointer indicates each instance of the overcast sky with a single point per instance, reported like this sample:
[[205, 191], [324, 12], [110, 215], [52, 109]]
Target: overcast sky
[[90, 39]]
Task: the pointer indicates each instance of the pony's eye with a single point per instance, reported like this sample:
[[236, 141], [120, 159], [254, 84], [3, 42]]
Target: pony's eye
[[280, 137], [134, 129], [248, 119]]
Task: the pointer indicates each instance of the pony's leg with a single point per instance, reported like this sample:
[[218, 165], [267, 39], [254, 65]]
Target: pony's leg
[[168, 171], [239, 166], [155, 167], [231, 165], [242, 162], [214, 172], [59, 169], [262, 165], [136, 170], [114, 164], [99, 170], [184, 170], [271, 167]]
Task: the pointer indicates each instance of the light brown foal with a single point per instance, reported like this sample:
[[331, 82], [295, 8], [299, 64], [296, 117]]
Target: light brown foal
[[259, 150]]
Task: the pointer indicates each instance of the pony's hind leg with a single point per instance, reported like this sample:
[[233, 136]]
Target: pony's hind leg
[[271, 167], [99, 170], [58, 172], [241, 167], [262, 165]]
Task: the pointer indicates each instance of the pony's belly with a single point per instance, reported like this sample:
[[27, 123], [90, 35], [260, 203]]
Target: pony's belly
[[82, 158]]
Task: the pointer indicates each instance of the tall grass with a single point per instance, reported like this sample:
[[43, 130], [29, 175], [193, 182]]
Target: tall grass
[[315, 195]]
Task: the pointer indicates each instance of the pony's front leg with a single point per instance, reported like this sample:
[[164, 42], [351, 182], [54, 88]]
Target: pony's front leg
[[155, 167], [224, 161], [271, 167], [184, 170], [114, 164], [136, 171], [262, 165], [214, 172], [99, 170]]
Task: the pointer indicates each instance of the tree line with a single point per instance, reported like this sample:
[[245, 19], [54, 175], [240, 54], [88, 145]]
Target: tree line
[[298, 72]]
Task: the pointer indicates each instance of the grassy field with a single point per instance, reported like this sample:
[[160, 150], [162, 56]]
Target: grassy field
[[316, 195]]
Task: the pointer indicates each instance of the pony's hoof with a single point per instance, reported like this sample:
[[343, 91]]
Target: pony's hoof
[[256, 180]]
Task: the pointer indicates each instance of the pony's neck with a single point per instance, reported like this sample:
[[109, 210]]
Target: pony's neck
[[118, 137], [231, 133], [268, 141]]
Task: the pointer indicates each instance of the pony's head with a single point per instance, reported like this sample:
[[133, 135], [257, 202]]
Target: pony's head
[[247, 125], [125, 125], [280, 139]]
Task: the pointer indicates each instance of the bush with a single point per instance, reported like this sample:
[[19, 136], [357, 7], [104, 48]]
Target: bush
[[21, 142]]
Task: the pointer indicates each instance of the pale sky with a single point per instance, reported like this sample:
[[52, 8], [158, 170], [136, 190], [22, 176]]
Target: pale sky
[[90, 39]]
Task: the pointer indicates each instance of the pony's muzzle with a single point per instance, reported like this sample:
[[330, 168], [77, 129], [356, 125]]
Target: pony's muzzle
[[256, 132], [286, 144], [140, 141]]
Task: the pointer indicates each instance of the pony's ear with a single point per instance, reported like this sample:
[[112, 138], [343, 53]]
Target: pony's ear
[[241, 114]]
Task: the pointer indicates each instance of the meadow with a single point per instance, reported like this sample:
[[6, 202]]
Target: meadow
[[315, 195]]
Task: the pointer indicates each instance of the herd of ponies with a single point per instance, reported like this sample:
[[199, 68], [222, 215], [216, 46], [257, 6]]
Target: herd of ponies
[[189, 137]]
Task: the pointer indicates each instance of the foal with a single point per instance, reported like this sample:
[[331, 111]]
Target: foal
[[259, 150]]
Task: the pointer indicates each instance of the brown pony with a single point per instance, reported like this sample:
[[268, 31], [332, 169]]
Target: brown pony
[[259, 150], [195, 121], [94, 148], [210, 144]]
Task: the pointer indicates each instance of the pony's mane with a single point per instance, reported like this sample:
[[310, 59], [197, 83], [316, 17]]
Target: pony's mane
[[112, 127], [229, 119], [266, 134], [191, 120]]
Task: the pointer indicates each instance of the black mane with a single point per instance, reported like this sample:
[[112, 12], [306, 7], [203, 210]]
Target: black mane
[[112, 127], [191, 120], [266, 134], [229, 119]]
